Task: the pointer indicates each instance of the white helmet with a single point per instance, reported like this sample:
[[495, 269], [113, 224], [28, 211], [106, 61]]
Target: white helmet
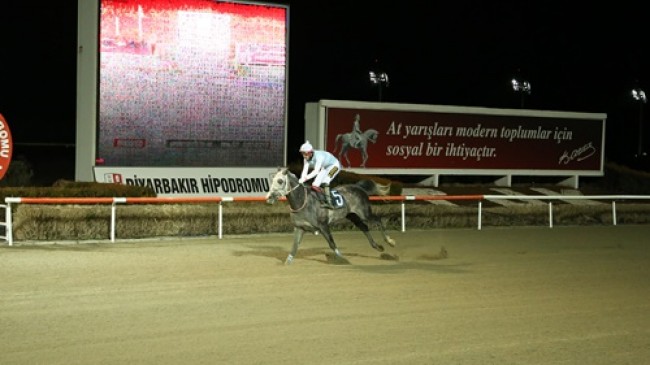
[[306, 147]]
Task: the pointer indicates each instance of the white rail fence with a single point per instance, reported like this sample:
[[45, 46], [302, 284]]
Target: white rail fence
[[113, 202]]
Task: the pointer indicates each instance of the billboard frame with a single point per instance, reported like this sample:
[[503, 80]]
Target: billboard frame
[[316, 132]]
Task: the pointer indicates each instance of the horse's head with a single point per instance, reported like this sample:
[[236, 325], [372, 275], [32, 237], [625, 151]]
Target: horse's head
[[280, 185], [371, 135]]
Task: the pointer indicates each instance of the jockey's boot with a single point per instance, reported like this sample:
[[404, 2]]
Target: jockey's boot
[[327, 204]]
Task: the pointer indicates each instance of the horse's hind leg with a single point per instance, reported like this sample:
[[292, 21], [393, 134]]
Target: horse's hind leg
[[344, 152], [327, 234], [364, 228], [297, 238], [377, 220], [368, 216]]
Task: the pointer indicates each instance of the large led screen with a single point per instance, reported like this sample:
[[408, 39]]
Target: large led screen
[[192, 83]]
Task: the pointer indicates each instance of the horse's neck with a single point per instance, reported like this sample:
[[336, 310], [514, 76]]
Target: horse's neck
[[297, 195]]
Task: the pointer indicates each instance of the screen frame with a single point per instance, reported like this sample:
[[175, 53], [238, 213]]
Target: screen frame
[[88, 85]]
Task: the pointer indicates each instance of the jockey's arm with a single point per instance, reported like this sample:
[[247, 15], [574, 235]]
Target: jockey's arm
[[305, 170], [317, 167]]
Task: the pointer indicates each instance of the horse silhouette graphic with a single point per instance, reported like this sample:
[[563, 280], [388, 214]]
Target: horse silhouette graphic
[[348, 140]]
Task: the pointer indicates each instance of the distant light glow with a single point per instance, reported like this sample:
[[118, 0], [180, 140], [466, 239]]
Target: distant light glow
[[376, 79], [639, 95], [521, 86]]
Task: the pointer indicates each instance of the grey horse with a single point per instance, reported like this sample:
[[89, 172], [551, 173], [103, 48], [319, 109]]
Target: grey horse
[[345, 142], [350, 200]]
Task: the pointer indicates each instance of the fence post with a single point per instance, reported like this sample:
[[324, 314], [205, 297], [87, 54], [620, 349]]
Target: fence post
[[8, 220], [8, 226], [114, 216], [113, 221]]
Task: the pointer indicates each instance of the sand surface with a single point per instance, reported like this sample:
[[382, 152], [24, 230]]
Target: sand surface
[[566, 295]]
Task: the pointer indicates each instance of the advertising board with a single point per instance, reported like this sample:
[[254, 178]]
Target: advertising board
[[191, 181], [383, 138]]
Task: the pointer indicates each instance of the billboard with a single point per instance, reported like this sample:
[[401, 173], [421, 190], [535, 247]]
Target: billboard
[[191, 182], [416, 139], [182, 83]]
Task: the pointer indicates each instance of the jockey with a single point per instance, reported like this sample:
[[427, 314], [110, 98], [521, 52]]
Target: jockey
[[356, 131], [324, 166]]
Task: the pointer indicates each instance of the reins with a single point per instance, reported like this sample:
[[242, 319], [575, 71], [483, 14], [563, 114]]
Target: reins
[[304, 203]]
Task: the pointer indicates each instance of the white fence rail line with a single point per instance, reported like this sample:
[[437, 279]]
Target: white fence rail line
[[8, 236], [551, 198]]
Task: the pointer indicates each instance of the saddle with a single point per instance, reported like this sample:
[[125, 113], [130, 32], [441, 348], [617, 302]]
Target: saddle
[[337, 199]]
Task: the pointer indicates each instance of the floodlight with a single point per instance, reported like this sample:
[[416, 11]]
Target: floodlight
[[639, 95]]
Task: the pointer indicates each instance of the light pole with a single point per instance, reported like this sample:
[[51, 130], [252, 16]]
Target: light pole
[[379, 79], [521, 87], [639, 95]]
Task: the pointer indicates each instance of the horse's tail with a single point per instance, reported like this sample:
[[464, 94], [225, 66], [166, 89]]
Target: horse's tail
[[374, 188], [336, 142]]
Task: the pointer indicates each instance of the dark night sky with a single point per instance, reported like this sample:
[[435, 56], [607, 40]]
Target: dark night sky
[[581, 58]]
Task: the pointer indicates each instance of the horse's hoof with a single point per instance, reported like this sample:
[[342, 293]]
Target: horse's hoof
[[390, 241], [379, 248], [336, 259], [389, 257]]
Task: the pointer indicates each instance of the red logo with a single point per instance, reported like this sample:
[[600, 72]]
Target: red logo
[[113, 178], [6, 147]]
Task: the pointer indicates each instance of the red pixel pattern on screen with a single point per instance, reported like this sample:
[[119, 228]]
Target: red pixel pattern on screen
[[192, 83]]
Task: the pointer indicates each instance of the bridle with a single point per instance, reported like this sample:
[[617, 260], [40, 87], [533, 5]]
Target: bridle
[[287, 187], [285, 190]]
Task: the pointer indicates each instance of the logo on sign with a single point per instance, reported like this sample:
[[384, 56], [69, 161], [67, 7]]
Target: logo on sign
[[6, 147], [113, 178]]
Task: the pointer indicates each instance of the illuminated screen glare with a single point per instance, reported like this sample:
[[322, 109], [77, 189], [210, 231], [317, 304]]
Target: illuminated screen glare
[[192, 83]]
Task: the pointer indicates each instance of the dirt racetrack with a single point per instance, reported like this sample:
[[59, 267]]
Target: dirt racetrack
[[535, 295]]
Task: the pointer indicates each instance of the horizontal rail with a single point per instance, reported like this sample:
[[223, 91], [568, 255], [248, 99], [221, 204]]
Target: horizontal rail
[[425, 197], [566, 197], [216, 199], [8, 236]]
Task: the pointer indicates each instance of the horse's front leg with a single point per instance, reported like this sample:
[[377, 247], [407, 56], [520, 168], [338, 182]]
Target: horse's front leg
[[297, 238]]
